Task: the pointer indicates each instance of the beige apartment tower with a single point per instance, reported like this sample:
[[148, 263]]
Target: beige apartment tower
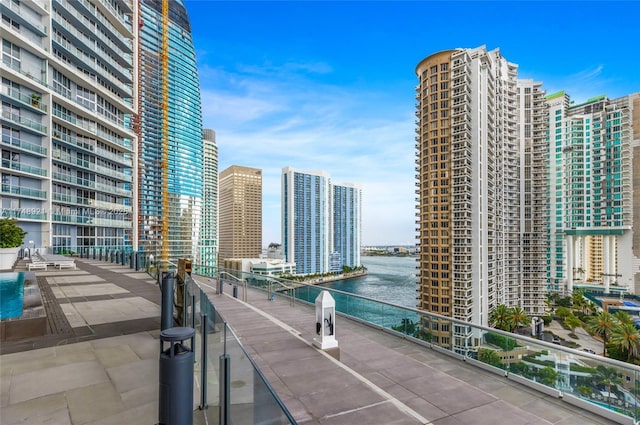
[[240, 212], [481, 190]]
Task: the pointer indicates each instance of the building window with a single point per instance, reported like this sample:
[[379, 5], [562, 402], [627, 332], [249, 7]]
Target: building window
[[11, 54]]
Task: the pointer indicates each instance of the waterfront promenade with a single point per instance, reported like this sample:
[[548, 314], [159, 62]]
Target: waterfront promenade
[[101, 366]]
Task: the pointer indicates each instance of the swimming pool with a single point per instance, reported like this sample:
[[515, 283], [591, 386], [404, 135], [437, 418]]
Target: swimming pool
[[11, 295]]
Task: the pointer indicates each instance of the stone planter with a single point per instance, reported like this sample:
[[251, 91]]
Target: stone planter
[[8, 258]]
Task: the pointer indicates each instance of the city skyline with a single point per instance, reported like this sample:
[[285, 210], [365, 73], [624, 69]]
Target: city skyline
[[331, 85]]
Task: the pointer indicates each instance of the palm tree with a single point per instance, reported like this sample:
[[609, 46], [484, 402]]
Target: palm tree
[[500, 318], [518, 317], [601, 324], [608, 376], [577, 298], [572, 322], [626, 337], [623, 317], [490, 357]]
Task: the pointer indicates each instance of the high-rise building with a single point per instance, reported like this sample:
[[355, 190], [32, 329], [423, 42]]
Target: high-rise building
[[209, 231], [240, 211], [170, 144], [321, 222], [306, 219], [591, 194], [633, 102], [346, 212], [67, 104], [480, 136]]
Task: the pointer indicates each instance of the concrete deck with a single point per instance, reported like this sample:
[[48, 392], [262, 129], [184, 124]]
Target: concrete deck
[[380, 378], [98, 364]]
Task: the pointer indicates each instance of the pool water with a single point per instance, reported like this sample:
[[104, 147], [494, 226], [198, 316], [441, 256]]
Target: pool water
[[11, 295]]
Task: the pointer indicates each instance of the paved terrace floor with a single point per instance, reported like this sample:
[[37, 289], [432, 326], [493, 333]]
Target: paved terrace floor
[[98, 364], [380, 378]]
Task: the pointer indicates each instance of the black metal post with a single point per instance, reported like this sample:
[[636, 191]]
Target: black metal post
[[203, 375], [166, 315], [225, 390]]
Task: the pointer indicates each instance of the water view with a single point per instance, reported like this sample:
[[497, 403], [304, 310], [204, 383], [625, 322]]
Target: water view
[[390, 279]]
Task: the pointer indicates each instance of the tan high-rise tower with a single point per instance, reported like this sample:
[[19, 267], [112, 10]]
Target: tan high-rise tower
[[480, 180], [240, 212]]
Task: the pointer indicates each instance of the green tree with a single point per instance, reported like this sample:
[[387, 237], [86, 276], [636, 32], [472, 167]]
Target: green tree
[[584, 390], [522, 369], [572, 322], [577, 299], [518, 317], [609, 377], [11, 235], [489, 356], [407, 327], [500, 318], [548, 376], [601, 325], [626, 337], [623, 317], [563, 312]]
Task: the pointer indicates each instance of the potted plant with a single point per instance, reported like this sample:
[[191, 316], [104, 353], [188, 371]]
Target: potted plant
[[35, 99], [11, 239]]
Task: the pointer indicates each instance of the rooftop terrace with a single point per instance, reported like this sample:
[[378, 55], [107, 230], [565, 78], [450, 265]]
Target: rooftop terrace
[[98, 364]]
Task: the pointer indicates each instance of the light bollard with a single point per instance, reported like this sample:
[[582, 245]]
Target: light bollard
[[175, 402]]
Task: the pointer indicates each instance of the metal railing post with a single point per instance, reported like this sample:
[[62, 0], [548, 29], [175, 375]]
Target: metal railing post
[[166, 315], [224, 417], [203, 360]]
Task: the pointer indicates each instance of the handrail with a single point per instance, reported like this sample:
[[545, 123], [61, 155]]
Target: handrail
[[292, 297], [536, 352], [243, 281], [370, 311]]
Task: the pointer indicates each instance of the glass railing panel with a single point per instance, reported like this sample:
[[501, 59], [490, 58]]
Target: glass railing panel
[[215, 348], [546, 366], [253, 401]]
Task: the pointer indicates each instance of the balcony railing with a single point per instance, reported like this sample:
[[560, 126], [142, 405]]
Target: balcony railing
[[24, 121], [24, 191], [19, 166], [568, 374]]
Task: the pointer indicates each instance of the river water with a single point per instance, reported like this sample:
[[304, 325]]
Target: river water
[[390, 279]]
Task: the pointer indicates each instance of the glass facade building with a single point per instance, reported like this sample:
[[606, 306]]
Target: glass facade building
[[347, 236], [321, 222], [67, 105], [170, 145], [209, 230], [591, 194], [306, 220]]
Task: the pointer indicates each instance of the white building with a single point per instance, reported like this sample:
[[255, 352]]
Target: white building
[[68, 101], [591, 194], [480, 147], [321, 221]]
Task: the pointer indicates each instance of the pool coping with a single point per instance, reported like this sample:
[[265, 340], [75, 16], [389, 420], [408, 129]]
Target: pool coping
[[33, 321]]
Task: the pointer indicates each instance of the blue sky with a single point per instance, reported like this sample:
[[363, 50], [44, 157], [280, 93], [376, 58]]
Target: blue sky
[[330, 85]]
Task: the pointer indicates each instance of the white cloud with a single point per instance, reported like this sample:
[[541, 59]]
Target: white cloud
[[356, 136]]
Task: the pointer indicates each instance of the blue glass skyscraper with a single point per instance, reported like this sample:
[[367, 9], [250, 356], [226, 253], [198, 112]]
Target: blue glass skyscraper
[[347, 207], [170, 145], [320, 222], [306, 220]]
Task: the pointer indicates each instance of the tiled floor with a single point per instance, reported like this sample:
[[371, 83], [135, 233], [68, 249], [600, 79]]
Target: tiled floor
[[93, 370], [104, 368]]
